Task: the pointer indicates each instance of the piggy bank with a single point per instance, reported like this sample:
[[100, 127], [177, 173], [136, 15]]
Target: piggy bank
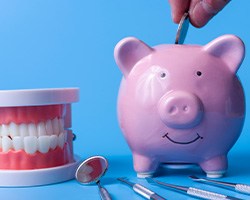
[[180, 103]]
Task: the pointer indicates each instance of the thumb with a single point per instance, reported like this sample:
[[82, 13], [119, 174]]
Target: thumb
[[178, 8], [201, 11]]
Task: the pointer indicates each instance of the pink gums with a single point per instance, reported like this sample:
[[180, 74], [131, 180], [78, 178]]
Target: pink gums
[[30, 114]]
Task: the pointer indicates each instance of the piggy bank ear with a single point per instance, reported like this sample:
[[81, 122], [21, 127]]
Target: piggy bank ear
[[229, 48], [128, 51]]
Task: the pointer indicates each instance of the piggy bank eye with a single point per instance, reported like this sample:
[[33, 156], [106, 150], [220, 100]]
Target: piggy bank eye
[[198, 73], [163, 75]]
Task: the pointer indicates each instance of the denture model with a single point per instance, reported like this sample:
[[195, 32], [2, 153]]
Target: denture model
[[35, 136]]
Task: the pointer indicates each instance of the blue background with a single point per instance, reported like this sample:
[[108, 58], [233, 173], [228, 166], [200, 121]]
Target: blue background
[[59, 43]]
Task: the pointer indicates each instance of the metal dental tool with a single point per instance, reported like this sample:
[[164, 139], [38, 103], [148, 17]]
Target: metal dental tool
[[238, 187], [203, 194], [90, 171], [141, 190]]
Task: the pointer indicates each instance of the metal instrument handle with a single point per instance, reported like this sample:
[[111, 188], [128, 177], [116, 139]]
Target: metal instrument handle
[[145, 192], [104, 193], [243, 188], [207, 194], [156, 197]]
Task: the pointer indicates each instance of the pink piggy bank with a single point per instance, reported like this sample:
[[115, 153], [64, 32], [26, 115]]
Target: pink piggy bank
[[180, 103]]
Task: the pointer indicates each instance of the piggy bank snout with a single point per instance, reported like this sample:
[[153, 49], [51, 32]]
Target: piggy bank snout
[[179, 109]]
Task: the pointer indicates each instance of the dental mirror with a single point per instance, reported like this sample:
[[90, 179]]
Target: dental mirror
[[90, 171]]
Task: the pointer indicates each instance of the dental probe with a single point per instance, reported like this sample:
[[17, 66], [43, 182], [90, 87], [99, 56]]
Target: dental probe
[[238, 187], [141, 190]]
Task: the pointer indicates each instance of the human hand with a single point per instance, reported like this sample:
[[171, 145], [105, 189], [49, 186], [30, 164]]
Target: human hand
[[200, 11]]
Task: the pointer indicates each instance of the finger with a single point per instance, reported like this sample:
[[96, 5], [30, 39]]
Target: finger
[[201, 11], [178, 8]]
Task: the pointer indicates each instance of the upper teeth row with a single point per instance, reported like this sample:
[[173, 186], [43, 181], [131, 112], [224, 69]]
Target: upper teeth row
[[31, 144], [50, 127]]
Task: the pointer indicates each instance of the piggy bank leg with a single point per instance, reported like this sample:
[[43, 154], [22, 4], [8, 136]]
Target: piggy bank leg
[[215, 167], [144, 166]]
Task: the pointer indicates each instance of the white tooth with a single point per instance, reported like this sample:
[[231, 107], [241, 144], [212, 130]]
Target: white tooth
[[6, 143], [30, 144], [13, 128], [5, 130], [23, 130], [44, 143], [53, 141], [17, 143], [61, 140], [61, 125], [41, 129], [49, 128], [55, 124], [32, 129]]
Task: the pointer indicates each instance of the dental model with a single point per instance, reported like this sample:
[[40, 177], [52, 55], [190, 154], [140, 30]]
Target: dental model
[[35, 136]]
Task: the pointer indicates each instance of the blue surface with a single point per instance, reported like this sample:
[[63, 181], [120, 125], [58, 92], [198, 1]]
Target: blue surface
[[63, 43]]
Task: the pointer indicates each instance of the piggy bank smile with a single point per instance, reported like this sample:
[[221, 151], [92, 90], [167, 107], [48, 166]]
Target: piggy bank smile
[[167, 136]]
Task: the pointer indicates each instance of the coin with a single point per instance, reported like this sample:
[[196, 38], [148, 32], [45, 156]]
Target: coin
[[182, 29]]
